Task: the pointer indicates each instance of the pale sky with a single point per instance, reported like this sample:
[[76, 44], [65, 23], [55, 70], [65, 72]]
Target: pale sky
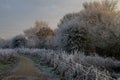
[[19, 15]]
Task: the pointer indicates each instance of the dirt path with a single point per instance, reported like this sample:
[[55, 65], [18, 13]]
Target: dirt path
[[26, 70]]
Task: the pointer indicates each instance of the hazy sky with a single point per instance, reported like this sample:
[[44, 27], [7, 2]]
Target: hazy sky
[[18, 15]]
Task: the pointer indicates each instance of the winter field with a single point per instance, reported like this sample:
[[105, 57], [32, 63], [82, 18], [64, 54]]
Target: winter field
[[84, 46]]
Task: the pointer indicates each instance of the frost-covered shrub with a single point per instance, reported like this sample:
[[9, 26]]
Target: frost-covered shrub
[[112, 50], [75, 66], [18, 41], [100, 21], [74, 36], [33, 43], [49, 42], [40, 33], [7, 55]]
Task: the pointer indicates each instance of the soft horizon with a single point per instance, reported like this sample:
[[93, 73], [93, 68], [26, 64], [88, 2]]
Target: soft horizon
[[18, 15]]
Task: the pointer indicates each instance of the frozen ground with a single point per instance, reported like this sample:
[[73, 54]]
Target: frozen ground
[[26, 70]]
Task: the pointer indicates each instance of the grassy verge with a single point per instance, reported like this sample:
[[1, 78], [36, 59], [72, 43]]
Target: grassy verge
[[44, 68], [3, 67], [6, 67]]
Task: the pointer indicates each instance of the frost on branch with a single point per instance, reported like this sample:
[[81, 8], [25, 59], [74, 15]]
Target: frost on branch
[[96, 28]]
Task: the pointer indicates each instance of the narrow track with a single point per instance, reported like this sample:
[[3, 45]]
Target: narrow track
[[26, 70]]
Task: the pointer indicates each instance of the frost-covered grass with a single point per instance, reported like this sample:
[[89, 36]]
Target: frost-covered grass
[[45, 69], [76, 66], [8, 59], [7, 56]]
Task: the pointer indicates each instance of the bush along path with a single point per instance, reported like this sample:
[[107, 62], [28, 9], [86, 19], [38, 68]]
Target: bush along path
[[66, 66], [25, 70], [58, 73]]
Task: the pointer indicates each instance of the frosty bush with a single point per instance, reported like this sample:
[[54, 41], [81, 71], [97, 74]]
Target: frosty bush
[[41, 33], [74, 36], [93, 29], [75, 66], [18, 41], [7, 55], [32, 43]]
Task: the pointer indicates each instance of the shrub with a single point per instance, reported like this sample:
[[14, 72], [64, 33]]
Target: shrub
[[40, 33], [7, 56], [93, 29], [18, 41], [74, 36]]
